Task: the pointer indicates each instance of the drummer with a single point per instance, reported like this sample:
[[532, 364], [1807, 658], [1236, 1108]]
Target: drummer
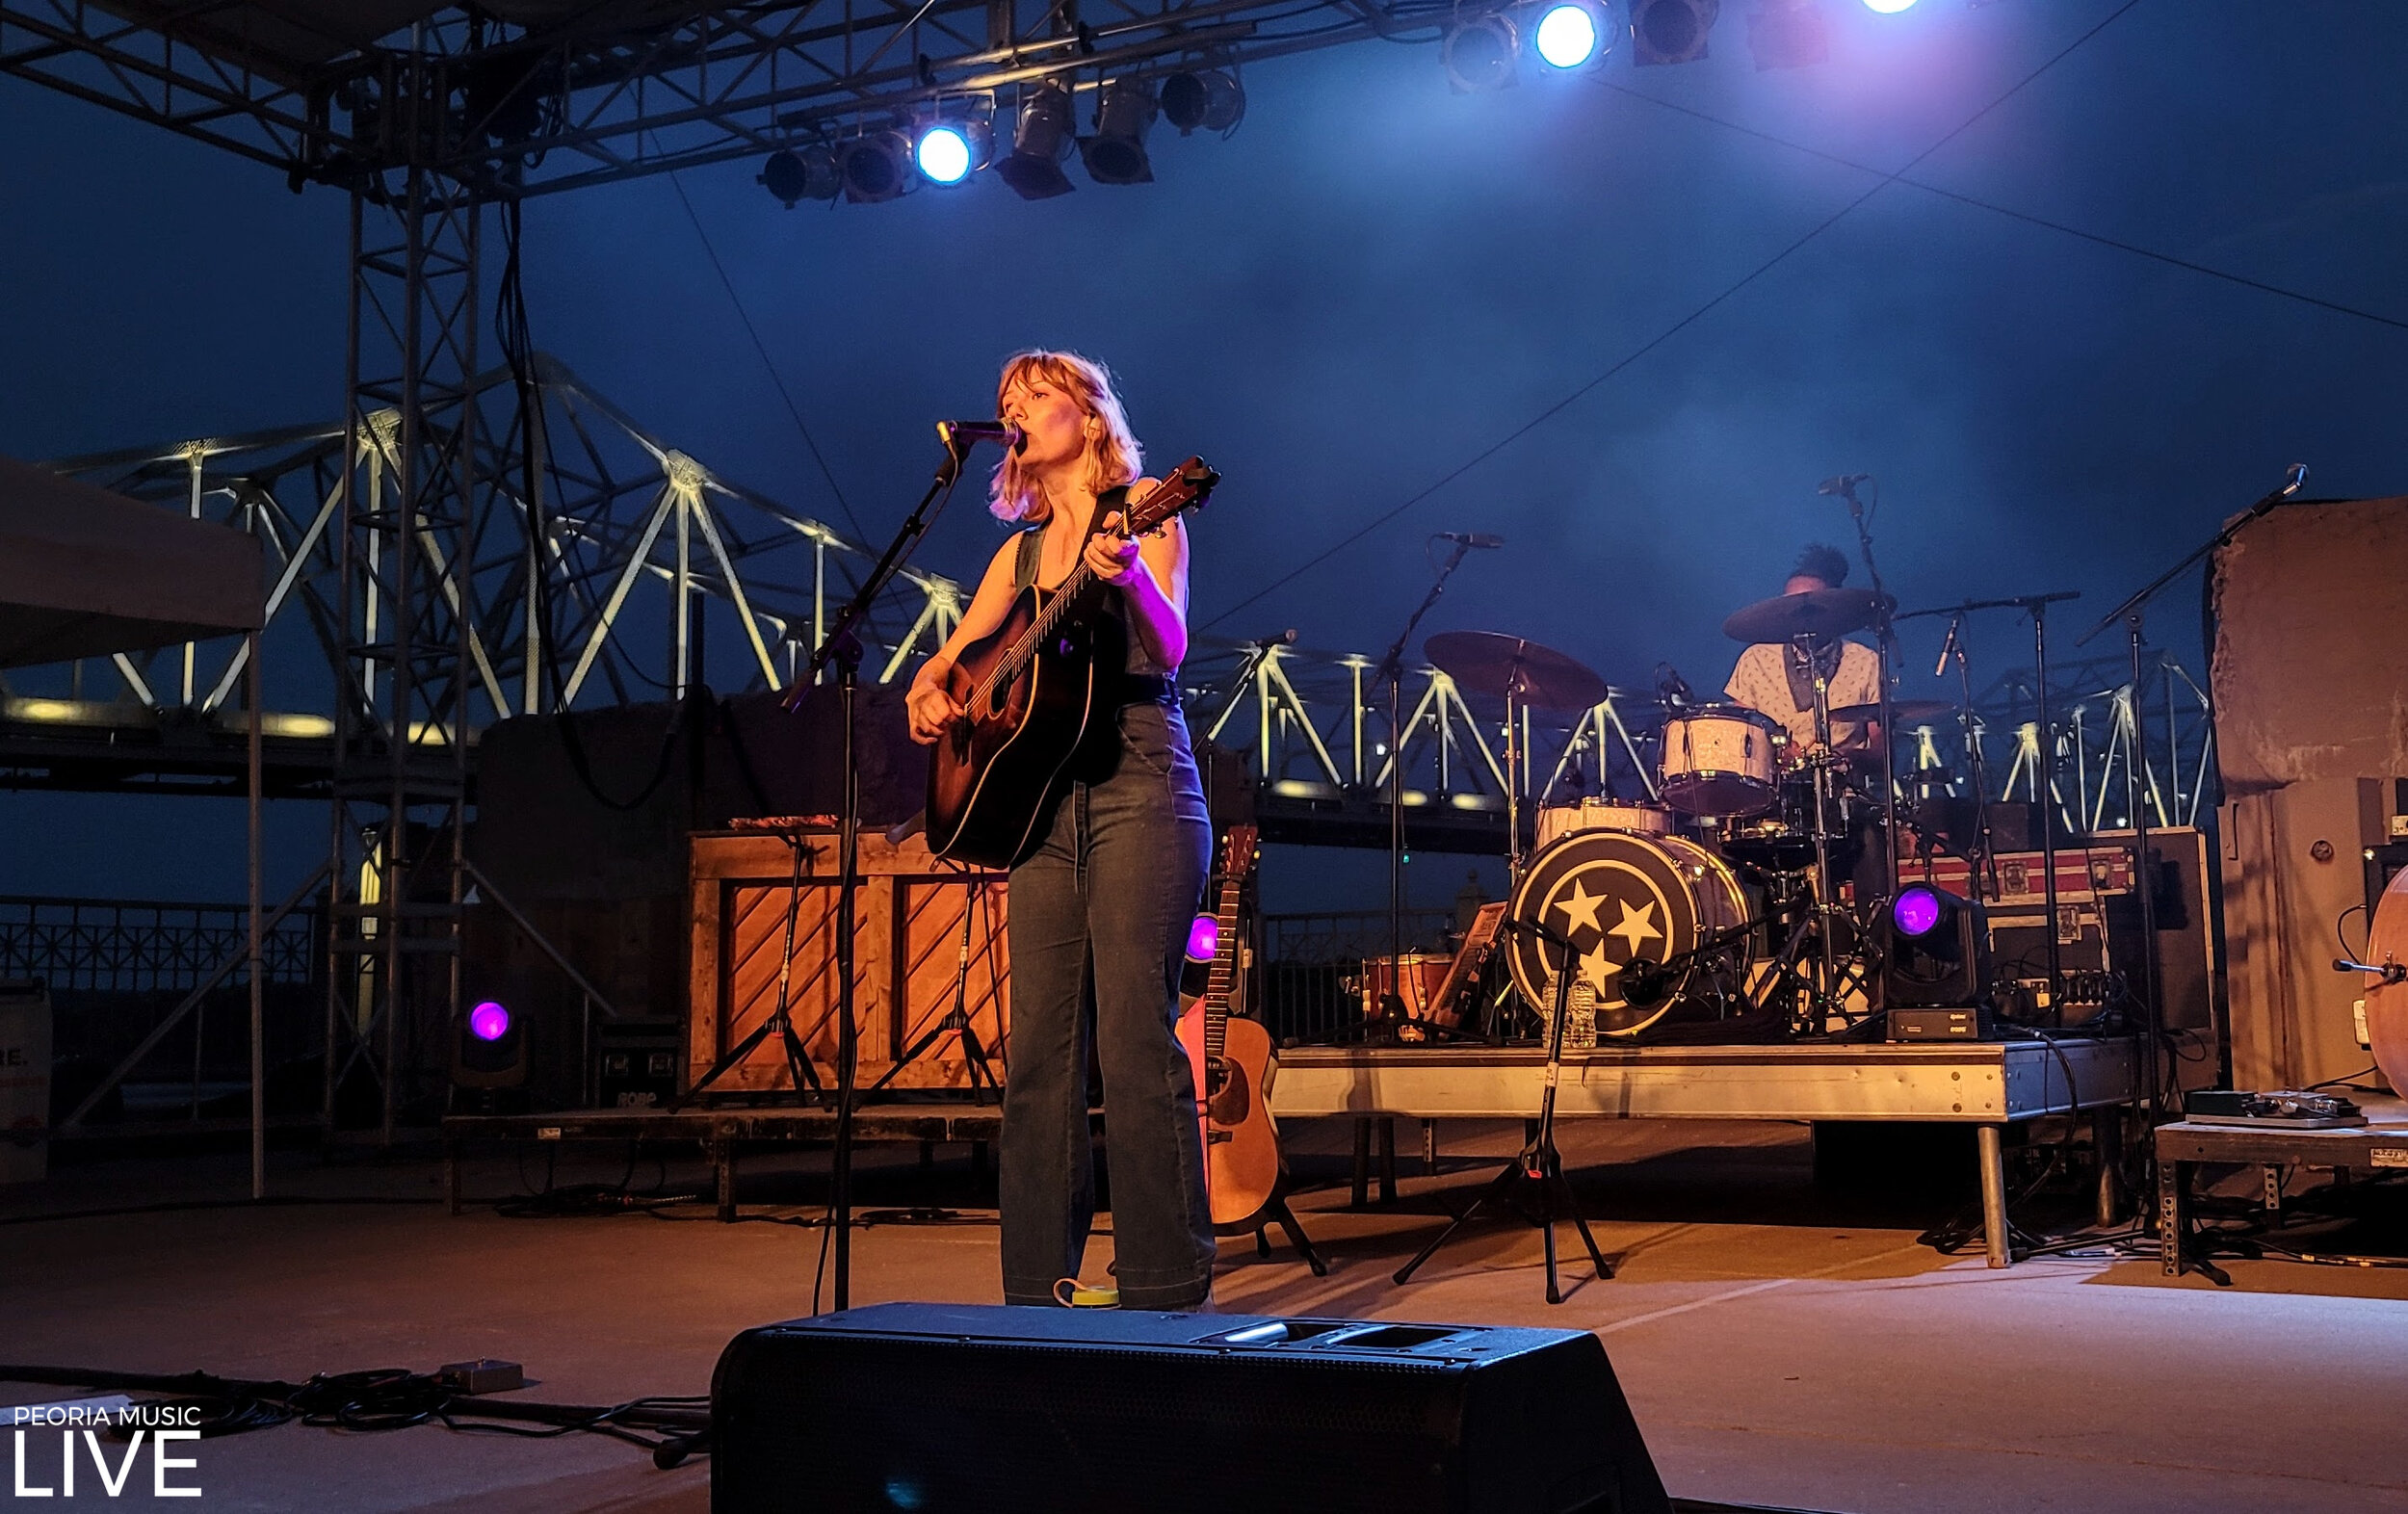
[[1775, 678]]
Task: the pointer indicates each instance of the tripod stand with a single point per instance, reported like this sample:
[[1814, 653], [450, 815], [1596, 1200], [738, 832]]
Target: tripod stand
[[799, 1072], [956, 1020], [1538, 1164]]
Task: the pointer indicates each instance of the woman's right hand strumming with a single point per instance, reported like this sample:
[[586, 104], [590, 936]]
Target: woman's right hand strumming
[[932, 709]]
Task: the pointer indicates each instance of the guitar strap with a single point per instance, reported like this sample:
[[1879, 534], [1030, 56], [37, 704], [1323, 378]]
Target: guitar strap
[[1033, 538]]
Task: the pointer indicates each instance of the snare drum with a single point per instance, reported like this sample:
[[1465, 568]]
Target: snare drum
[[1717, 759], [1557, 821]]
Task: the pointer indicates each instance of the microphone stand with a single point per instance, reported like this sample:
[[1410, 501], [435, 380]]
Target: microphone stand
[[2131, 612], [842, 650], [2045, 775], [1538, 1163], [1392, 669], [1884, 631]]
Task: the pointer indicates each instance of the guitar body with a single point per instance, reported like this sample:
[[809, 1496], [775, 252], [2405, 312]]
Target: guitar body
[[993, 777], [1027, 689], [1241, 1167]]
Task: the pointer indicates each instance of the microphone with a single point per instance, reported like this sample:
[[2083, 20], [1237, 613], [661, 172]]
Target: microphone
[[1471, 538], [1285, 638], [961, 435], [1947, 648], [1643, 983], [2295, 479], [1671, 687], [1840, 483]]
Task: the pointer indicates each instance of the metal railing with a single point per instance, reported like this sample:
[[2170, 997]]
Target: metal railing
[[143, 946]]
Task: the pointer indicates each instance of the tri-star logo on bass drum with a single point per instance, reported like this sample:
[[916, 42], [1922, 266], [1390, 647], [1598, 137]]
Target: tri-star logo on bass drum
[[1619, 896]]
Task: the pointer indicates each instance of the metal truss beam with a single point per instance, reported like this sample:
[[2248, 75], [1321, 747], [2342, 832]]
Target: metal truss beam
[[511, 111]]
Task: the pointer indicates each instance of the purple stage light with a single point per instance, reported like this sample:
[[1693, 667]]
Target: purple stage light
[[1915, 911], [1204, 939], [488, 1022]]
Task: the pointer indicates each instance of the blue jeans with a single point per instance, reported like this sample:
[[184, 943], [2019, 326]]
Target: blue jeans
[[1102, 910]]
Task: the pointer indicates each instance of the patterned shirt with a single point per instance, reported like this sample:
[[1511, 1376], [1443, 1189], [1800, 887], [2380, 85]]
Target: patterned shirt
[[1761, 682]]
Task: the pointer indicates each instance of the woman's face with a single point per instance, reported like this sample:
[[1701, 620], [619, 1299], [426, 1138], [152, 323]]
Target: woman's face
[[1057, 428]]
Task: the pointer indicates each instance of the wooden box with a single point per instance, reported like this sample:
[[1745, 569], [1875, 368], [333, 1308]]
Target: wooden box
[[908, 961]]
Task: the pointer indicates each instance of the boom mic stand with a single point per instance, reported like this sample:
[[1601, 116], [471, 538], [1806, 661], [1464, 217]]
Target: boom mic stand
[[1884, 631], [1392, 669], [1538, 1163], [2131, 612], [842, 650]]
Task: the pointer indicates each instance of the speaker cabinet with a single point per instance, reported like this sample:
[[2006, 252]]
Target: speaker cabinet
[[995, 1409]]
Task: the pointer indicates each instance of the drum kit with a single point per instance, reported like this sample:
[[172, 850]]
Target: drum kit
[[1720, 897]]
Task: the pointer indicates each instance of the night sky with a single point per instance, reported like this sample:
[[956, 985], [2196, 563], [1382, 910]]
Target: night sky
[[1376, 282]]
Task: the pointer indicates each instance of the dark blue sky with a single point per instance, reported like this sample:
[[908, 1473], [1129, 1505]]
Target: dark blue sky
[[1376, 280]]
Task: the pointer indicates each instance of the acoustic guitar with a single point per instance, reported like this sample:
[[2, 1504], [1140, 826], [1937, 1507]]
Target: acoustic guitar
[[1233, 1062], [1029, 689]]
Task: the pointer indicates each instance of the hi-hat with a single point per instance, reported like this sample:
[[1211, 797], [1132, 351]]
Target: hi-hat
[[1823, 612], [1903, 711], [1494, 664]]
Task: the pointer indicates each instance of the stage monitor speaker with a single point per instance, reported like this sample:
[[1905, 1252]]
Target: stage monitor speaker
[[997, 1410]]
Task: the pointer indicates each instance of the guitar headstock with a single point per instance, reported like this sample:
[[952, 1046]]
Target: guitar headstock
[[1185, 487], [1237, 851]]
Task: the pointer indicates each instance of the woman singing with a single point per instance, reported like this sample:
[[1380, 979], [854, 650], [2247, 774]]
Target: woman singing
[[1107, 899]]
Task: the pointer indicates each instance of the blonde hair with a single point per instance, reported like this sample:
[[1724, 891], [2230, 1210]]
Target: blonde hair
[[1113, 456]]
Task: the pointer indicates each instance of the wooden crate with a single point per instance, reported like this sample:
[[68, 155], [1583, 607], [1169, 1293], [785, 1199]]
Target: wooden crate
[[908, 956]]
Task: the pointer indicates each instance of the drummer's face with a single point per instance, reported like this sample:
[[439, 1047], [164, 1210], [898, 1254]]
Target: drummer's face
[[1803, 584]]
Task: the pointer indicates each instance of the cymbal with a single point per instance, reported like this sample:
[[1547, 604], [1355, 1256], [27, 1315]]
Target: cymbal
[[1903, 711], [1818, 612], [1489, 662]]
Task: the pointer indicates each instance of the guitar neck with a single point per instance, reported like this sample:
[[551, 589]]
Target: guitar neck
[[1016, 658], [1223, 979]]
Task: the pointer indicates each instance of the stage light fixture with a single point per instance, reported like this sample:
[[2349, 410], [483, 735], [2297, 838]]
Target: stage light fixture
[[1212, 100], [949, 152], [1478, 54], [1889, 7], [490, 1051], [1569, 36], [1671, 30], [1935, 948], [1789, 34], [875, 168], [1116, 153], [794, 176], [1039, 139], [1916, 910], [1204, 938]]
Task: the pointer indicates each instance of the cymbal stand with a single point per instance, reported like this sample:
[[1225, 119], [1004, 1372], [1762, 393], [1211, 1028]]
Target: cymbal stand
[[1391, 670], [1826, 891], [1538, 1164], [1983, 866]]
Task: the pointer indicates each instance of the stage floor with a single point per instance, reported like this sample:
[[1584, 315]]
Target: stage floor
[[1780, 1346]]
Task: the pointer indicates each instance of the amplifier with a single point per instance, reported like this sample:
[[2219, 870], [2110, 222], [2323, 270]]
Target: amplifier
[[2098, 928], [1000, 1410], [1968, 1024]]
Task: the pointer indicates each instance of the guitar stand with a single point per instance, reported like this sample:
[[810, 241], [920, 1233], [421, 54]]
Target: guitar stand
[[1538, 1164], [1278, 1213]]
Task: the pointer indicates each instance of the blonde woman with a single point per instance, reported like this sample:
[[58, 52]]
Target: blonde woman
[[1106, 902]]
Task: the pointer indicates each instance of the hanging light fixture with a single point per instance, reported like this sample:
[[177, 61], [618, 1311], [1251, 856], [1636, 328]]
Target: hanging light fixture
[[1039, 139], [794, 176], [1212, 100], [1478, 53], [876, 167], [1116, 153]]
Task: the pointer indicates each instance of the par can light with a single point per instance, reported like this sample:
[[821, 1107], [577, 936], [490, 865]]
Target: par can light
[[1567, 35]]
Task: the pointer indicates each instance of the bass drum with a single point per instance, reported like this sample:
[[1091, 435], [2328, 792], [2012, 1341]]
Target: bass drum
[[1620, 896]]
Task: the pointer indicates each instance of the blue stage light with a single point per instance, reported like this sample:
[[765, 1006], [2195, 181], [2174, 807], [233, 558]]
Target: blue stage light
[[944, 154], [1566, 37]]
